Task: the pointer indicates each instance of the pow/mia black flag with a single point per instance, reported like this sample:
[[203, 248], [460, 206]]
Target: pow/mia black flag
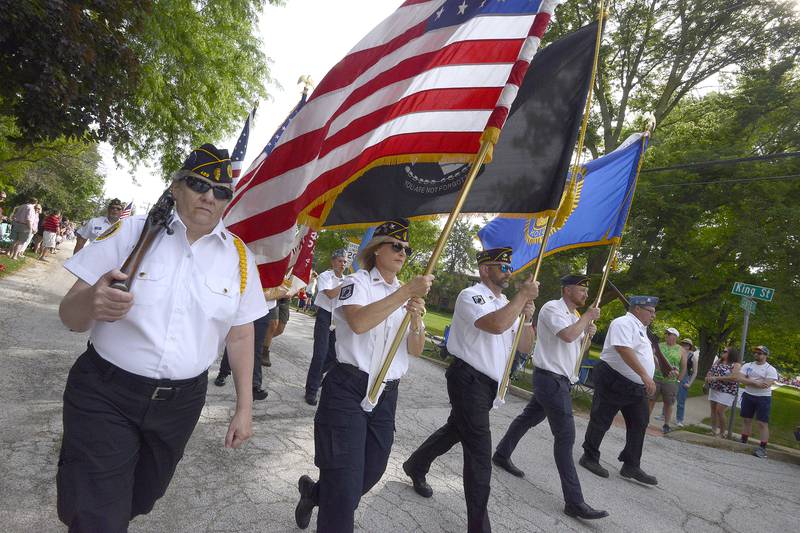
[[530, 163]]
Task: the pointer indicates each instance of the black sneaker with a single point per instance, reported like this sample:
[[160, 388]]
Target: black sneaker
[[302, 513], [634, 472], [592, 466], [259, 393], [220, 380], [665, 429]]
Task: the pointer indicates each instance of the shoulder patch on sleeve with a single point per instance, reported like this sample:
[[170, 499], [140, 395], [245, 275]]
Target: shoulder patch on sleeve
[[478, 299], [112, 229], [346, 292]]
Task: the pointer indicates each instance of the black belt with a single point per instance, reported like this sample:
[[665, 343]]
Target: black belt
[[352, 370], [155, 389], [460, 363], [554, 375]]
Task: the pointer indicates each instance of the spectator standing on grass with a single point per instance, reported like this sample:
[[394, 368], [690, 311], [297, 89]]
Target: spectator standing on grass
[[692, 357], [722, 385], [51, 227], [757, 377], [23, 224]]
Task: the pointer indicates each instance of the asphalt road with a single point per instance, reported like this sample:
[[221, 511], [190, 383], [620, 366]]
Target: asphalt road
[[254, 488]]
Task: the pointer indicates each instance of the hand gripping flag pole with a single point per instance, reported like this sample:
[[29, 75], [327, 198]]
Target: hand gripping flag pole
[[612, 253], [601, 14]]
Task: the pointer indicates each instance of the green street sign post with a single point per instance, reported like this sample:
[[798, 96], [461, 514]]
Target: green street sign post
[[753, 291], [748, 305]]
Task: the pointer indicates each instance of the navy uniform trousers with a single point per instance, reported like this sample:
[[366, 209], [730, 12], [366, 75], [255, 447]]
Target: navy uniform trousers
[[471, 396], [324, 355], [551, 399], [613, 393], [123, 437], [351, 446], [259, 334]]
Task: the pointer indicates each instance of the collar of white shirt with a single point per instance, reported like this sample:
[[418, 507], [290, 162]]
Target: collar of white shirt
[[486, 291], [218, 229], [376, 278]]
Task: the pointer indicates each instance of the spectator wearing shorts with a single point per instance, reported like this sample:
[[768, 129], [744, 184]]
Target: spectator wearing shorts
[[23, 224], [722, 384], [667, 386], [278, 317], [757, 377], [52, 225]]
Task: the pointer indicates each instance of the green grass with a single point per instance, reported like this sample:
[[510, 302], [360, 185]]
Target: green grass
[[435, 322], [783, 419], [10, 266]]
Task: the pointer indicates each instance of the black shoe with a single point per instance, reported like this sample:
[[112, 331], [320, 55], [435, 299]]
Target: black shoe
[[665, 429], [582, 510], [634, 472], [421, 486], [311, 398], [302, 513], [220, 380], [259, 393], [507, 465], [592, 466]]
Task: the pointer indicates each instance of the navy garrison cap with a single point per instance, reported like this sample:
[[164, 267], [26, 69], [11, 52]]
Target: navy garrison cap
[[494, 255], [397, 228], [581, 280], [211, 163], [643, 300]]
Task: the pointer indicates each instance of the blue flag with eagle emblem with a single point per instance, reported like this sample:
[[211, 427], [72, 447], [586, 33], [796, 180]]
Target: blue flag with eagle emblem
[[593, 209]]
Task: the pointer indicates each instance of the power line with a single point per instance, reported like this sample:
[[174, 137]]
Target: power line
[[716, 182], [698, 164]]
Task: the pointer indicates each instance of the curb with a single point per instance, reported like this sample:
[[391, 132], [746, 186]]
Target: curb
[[785, 455]]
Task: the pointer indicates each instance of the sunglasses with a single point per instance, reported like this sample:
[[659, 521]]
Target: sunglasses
[[201, 187], [503, 267], [397, 247]]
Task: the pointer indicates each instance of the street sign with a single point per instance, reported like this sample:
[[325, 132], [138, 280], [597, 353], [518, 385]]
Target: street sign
[[753, 291], [748, 305]]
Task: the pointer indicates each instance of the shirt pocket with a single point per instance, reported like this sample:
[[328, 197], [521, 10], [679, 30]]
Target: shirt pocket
[[218, 296], [150, 284]]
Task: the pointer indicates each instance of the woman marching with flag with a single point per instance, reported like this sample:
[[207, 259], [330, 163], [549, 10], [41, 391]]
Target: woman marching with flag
[[352, 435]]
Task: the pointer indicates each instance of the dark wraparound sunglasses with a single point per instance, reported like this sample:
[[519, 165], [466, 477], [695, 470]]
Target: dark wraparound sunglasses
[[201, 187], [503, 267], [397, 247]]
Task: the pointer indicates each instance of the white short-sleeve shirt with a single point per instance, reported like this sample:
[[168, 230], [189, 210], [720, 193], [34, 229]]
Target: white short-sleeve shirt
[[758, 372], [368, 350], [326, 281], [485, 352], [551, 353], [94, 228], [628, 331], [186, 298]]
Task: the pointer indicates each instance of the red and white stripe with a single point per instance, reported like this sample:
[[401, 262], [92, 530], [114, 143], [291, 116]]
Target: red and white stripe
[[400, 92]]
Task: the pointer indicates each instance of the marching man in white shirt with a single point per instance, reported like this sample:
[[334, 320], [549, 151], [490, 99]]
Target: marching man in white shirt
[[133, 398], [623, 379], [324, 354], [561, 330], [483, 329], [352, 436], [97, 225]]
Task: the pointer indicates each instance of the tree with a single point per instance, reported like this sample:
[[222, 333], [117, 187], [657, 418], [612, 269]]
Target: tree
[[152, 77], [459, 252]]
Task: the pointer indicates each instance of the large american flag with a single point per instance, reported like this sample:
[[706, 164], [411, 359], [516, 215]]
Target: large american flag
[[424, 85], [239, 151]]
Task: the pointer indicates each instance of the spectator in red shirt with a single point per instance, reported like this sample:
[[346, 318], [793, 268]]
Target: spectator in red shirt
[[51, 226]]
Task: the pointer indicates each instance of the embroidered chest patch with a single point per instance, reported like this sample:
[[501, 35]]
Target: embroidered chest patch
[[478, 299], [110, 231], [346, 292]]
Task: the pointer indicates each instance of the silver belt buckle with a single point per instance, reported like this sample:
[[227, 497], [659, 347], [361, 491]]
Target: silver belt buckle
[[158, 389]]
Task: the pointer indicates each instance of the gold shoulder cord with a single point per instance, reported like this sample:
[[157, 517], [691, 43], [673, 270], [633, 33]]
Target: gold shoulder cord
[[242, 263]]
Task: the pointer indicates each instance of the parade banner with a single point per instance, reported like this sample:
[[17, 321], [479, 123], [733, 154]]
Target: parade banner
[[592, 212], [530, 160], [424, 85]]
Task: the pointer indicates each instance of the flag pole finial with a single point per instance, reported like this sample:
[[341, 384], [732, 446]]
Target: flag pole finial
[[307, 83]]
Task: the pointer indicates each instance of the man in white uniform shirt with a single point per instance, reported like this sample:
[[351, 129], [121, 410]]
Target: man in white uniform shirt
[[133, 398], [324, 354], [757, 377], [483, 329], [97, 225], [622, 381], [560, 335]]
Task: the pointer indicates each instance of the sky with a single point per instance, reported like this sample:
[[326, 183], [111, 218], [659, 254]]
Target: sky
[[303, 37]]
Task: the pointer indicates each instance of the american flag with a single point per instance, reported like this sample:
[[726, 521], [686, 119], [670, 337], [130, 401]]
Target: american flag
[[424, 85], [127, 211], [237, 157]]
